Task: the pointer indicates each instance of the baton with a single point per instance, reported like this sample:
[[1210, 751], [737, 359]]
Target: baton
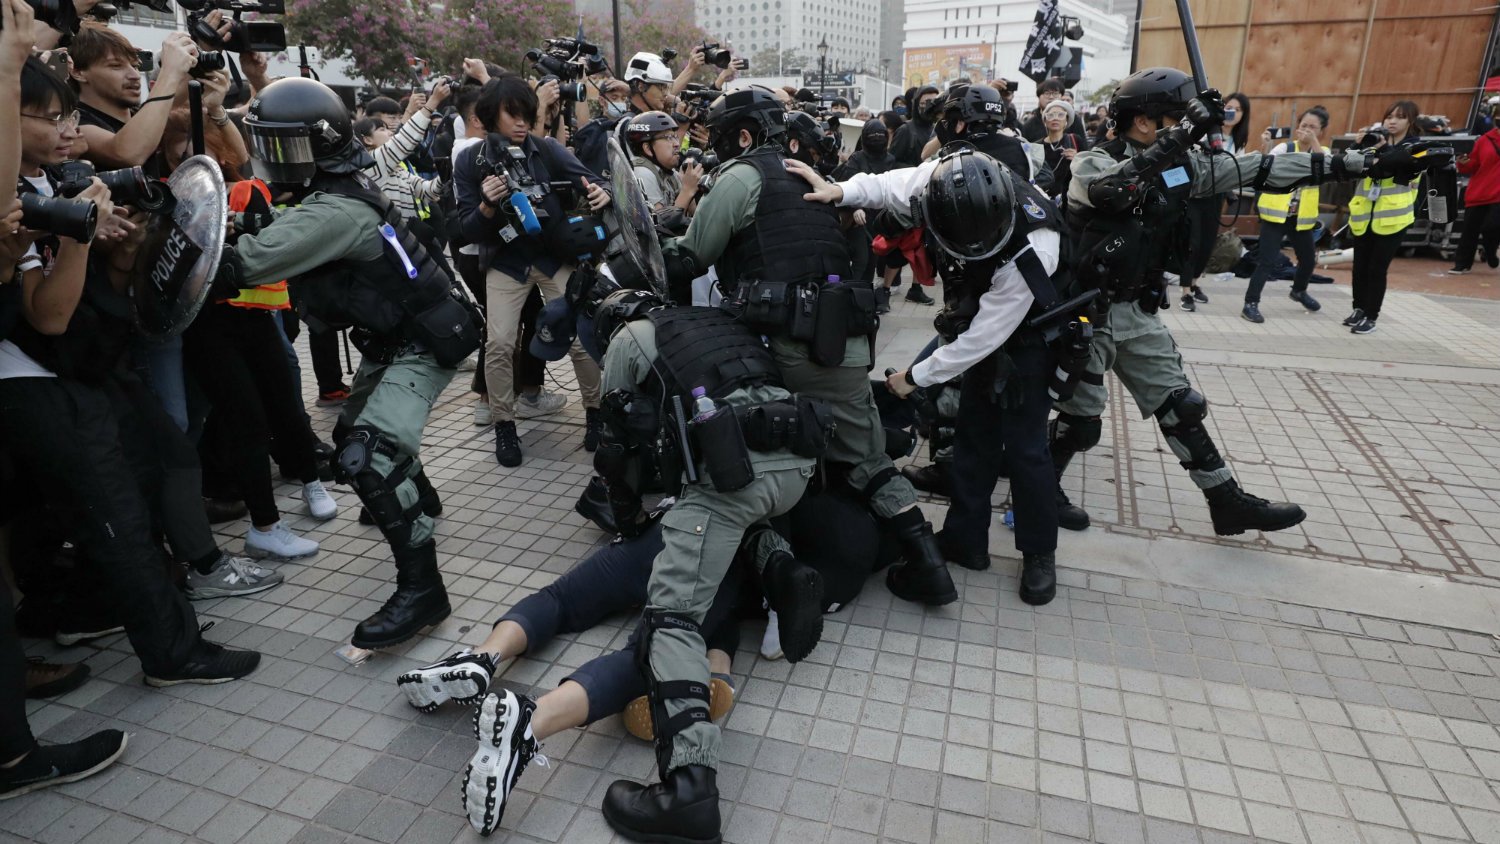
[[1215, 137], [195, 108]]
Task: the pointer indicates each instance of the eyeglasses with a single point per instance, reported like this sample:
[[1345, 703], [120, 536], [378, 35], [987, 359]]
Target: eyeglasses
[[62, 122]]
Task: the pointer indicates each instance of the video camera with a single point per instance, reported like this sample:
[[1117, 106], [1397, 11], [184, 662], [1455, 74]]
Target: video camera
[[58, 14], [500, 157], [244, 36], [696, 98], [127, 186], [560, 57], [104, 11]]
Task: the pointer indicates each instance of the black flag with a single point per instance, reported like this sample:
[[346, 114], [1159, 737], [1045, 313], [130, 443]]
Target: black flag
[[1044, 45]]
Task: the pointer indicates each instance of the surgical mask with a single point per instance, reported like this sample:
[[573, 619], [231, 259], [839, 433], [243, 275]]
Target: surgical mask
[[900, 110], [1230, 114], [616, 109]]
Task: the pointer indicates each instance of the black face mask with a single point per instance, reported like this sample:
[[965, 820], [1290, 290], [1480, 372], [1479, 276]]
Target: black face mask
[[877, 145], [944, 132]]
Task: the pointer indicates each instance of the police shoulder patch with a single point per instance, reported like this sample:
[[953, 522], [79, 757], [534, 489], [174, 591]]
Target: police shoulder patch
[[1033, 210]]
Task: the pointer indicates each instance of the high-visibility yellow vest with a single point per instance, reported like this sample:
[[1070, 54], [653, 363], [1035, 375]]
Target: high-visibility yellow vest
[[267, 297], [419, 205], [1385, 207], [1276, 207]]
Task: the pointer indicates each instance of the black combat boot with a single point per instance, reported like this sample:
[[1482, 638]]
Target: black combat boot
[[932, 478], [593, 428], [795, 592], [923, 575], [1064, 442], [969, 559], [1235, 511], [593, 504], [1069, 515], [682, 809], [419, 601], [1038, 578]]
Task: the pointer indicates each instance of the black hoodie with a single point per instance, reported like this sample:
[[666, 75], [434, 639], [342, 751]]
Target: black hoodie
[[906, 147], [863, 160]]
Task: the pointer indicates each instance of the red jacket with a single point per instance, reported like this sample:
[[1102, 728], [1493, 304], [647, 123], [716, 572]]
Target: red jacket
[[1483, 168]]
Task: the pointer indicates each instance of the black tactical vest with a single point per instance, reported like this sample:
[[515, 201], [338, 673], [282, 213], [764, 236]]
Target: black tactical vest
[[965, 282], [706, 347], [1155, 235], [791, 240], [379, 296]]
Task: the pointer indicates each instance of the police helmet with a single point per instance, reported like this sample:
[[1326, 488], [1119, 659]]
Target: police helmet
[[642, 128], [1153, 92], [728, 112], [299, 126], [648, 69], [577, 237], [973, 104], [969, 205], [618, 308]]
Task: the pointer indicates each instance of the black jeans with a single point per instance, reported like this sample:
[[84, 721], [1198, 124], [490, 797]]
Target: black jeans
[[67, 436], [1481, 228], [611, 580], [327, 368], [987, 435], [1373, 254], [1268, 255], [236, 357], [15, 733]]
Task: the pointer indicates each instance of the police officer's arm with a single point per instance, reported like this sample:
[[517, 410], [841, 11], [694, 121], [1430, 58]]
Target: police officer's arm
[[303, 238], [1221, 173], [727, 209], [1001, 310]]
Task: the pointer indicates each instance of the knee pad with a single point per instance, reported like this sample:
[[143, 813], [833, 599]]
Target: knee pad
[[659, 691], [887, 475], [354, 464], [1187, 404], [1074, 433]]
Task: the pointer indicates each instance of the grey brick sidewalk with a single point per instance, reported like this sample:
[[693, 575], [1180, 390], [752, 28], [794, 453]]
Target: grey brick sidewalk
[[1129, 709]]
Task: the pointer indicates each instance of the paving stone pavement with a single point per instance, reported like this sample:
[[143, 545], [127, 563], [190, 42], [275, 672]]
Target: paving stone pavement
[[1129, 709]]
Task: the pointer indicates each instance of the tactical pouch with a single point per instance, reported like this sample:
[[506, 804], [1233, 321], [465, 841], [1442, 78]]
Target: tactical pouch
[[863, 319], [765, 306], [770, 426], [835, 315], [721, 444], [804, 314], [449, 328], [815, 427]]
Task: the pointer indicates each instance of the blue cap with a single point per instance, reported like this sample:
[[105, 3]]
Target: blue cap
[[554, 330]]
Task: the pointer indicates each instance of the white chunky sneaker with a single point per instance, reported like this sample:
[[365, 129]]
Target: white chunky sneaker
[[483, 418], [502, 724], [320, 504], [463, 677], [541, 404], [278, 543]]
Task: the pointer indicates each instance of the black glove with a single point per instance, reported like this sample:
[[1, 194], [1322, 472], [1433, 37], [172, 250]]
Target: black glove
[[1206, 113], [1114, 193], [226, 283]]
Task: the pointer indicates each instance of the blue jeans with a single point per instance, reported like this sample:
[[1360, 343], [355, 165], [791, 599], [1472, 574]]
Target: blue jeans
[[159, 364]]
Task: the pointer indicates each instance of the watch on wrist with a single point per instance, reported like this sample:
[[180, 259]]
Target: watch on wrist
[[908, 379]]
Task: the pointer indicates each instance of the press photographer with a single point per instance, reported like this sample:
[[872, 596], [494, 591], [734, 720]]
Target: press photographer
[[509, 189], [669, 181]]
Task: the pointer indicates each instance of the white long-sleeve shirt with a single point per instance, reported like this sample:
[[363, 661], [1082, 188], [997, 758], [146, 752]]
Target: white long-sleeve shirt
[[1001, 308]]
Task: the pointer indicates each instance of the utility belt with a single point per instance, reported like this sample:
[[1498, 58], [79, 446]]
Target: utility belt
[[1068, 330], [448, 329], [822, 315], [724, 438]]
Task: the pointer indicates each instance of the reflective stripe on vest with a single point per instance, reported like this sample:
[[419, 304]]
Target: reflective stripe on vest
[[267, 297], [1385, 207], [1276, 207], [418, 204]]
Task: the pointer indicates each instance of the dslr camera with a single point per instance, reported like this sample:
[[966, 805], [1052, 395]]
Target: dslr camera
[[721, 58], [1372, 136], [127, 186], [72, 218]]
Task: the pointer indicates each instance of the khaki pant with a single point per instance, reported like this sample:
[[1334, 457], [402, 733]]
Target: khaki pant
[[505, 295]]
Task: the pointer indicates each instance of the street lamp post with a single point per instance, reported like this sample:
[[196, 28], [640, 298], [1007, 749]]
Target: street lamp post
[[822, 66]]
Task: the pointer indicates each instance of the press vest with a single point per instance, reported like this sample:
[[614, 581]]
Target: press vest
[[268, 297], [1277, 207], [1386, 207], [791, 240]]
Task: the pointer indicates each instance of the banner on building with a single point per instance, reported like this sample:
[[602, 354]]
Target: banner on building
[[938, 65], [1044, 44]]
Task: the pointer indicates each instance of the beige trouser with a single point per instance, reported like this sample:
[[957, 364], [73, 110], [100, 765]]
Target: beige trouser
[[505, 295]]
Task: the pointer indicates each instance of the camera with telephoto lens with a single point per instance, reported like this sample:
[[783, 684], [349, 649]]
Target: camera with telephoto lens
[[127, 186], [72, 218], [208, 62], [714, 55], [707, 160], [570, 92], [58, 14], [1373, 136]]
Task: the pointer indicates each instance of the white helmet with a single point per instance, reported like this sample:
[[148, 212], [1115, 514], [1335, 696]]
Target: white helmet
[[648, 68]]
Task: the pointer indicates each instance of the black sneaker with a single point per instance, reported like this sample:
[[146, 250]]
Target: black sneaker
[[44, 679], [1354, 318], [969, 559], [915, 294], [55, 764], [85, 621], [1200, 295], [208, 664], [1460, 271], [1493, 259], [463, 677], [1187, 302], [1364, 326], [593, 429], [1306, 300], [507, 444], [1251, 311], [502, 724]]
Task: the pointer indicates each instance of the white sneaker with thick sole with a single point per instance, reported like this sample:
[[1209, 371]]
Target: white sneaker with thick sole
[[463, 678], [482, 416], [770, 644], [502, 724], [320, 504], [278, 543], [542, 404]]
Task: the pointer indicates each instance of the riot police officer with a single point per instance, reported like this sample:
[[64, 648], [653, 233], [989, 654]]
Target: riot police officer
[[783, 267], [975, 115], [1128, 200], [747, 452], [369, 272], [998, 245]]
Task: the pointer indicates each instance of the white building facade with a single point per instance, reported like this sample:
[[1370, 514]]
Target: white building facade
[[851, 28], [997, 31]]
